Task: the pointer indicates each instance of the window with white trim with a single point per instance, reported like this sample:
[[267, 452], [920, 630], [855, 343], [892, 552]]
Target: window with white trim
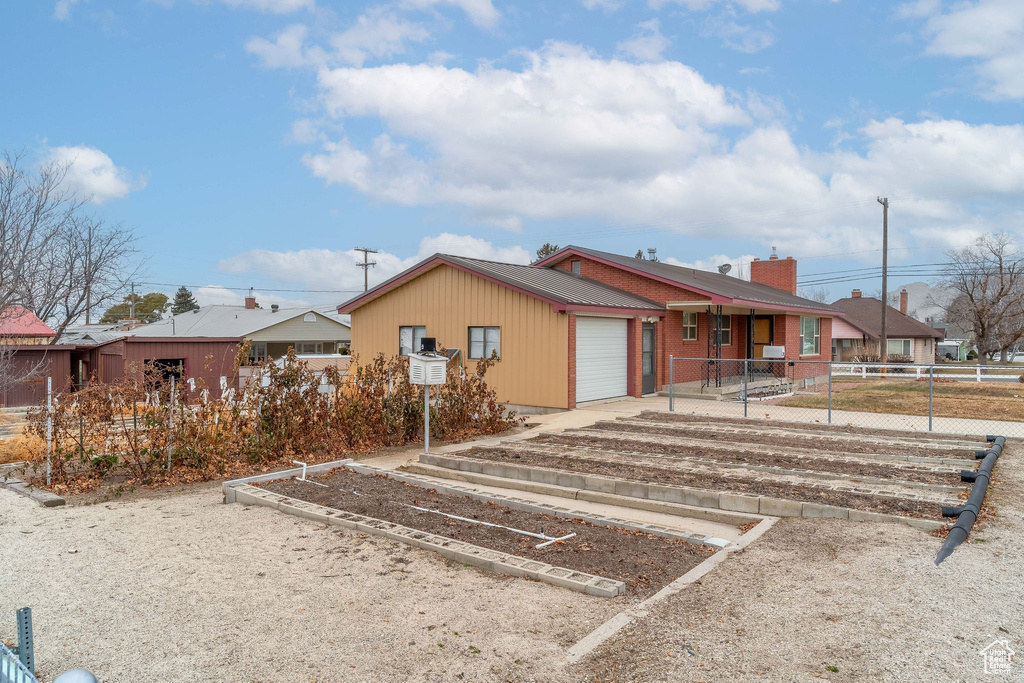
[[483, 341], [899, 347], [306, 348], [257, 352], [724, 330], [689, 326], [810, 336], [409, 337]]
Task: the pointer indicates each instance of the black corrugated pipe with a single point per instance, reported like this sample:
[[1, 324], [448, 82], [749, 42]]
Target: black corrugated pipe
[[967, 514]]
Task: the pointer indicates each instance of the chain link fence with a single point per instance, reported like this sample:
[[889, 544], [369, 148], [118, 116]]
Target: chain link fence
[[946, 398]]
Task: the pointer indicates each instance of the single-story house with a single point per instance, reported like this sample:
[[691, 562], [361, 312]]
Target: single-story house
[[269, 331], [858, 331], [583, 325], [953, 349], [21, 327]]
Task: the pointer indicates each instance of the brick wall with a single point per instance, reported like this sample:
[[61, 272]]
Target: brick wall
[[775, 272]]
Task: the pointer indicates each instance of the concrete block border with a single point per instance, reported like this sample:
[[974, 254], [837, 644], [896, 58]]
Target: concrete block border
[[241, 491], [41, 496], [763, 505]]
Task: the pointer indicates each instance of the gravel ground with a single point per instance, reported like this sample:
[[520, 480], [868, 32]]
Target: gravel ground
[[864, 598], [180, 587]]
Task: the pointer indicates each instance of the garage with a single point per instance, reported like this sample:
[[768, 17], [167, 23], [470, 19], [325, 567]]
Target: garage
[[601, 358]]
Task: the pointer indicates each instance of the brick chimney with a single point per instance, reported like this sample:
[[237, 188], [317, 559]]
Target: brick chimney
[[250, 301], [775, 272], [855, 294], [903, 301]]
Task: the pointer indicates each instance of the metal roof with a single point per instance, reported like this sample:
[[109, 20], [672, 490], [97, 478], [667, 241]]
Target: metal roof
[[557, 286], [691, 278], [225, 321]]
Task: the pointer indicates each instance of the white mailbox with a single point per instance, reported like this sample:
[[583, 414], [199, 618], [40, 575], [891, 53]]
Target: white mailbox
[[427, 368], [774, 352]]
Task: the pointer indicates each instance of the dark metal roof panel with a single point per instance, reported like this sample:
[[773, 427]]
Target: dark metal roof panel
[[556, 284], [714, 283]]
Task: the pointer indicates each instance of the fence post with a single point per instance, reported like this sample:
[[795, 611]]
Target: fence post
[[830, 392], [978, 373], [426, 418], [170, 427], [931, 377], [671, 385], [746, 384], [26, 646], [49, 425]]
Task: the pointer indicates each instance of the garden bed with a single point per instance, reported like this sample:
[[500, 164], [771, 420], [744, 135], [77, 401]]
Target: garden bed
[[644, 562], [633, 471], [724, 454], [826, 443]]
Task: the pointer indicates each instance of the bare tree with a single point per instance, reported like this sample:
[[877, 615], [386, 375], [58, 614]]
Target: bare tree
[[988, 276], [55, 259], [819, 294]]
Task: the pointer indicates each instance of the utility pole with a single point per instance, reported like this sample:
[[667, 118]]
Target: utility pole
[[366, 265], [883, 341]]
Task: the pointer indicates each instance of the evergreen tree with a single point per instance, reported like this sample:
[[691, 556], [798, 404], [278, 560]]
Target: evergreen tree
[[148, 308], [183, 301], [547, 250]]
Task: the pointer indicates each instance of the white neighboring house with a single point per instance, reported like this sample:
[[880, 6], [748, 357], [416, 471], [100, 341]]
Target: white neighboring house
[[269, 331]]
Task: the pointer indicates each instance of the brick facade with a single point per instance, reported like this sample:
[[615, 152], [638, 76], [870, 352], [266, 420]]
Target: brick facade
[[775, 272]]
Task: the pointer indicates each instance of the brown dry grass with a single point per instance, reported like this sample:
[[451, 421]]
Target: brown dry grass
[[976, 400], [23, 447]]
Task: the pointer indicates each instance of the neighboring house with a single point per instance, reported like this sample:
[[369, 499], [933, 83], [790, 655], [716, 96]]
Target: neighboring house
[[858, 331], [20, 326], [583, 325], [269, 331], [954, 349]]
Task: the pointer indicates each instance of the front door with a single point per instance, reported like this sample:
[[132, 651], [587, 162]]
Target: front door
[[649, 380], [762, 335]]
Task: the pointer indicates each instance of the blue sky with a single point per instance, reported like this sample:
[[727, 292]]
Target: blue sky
[[256, 142]]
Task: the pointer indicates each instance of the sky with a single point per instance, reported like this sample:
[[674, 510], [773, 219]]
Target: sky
[[256, 143]]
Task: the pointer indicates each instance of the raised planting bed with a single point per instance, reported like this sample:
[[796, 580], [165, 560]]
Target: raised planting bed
[[631, 470], [761, 456], [757, 434], [837, 429], [644, 562]]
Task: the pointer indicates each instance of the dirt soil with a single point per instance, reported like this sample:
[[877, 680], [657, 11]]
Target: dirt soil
[[674, 418], [643, 561], [735, 484], [825, 443], [711, 455]]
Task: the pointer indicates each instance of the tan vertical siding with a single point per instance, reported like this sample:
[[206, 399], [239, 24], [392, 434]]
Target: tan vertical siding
[[534, 338]]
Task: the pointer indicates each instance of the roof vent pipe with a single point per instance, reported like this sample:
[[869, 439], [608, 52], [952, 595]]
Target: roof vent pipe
[[273, 308], [195, 309]]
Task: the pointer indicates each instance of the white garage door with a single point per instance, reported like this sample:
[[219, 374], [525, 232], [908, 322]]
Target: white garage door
[[600, 358]]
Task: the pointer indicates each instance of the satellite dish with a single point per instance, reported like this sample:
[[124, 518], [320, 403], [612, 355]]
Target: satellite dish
[[724, 268]]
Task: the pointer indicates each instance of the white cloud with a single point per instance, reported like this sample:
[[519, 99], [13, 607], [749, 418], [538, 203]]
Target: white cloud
[[62, 10], [271, 6], [337, 270], [216, 295], [740, 265], [603, 5], [480, 12], [379, 33], [741, 37], [286, 50], [698, 5], [93, 174], [991, 32], [647, 44]]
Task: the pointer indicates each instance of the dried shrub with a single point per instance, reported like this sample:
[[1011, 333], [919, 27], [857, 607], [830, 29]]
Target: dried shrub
[[130, 430]]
